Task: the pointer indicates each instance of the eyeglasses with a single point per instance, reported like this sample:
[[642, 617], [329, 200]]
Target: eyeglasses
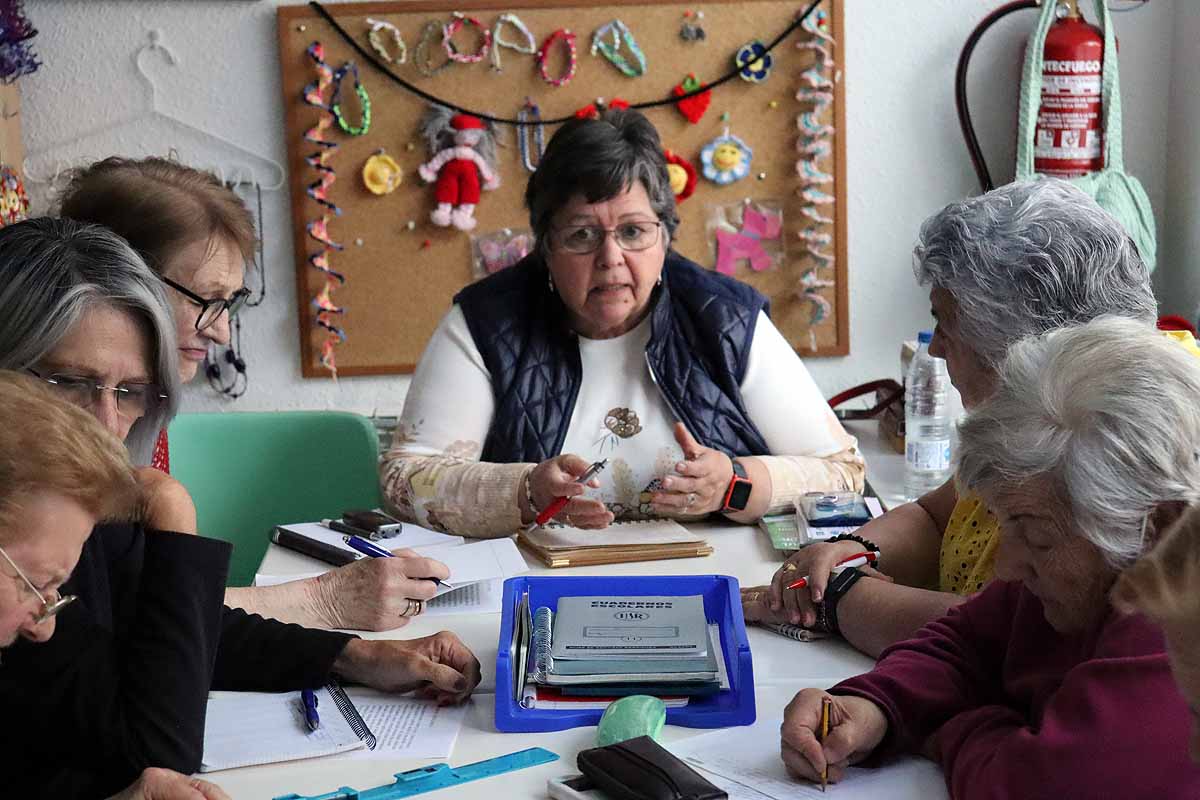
[[630, 236], [134, 400], [211, 310], [49, 607]]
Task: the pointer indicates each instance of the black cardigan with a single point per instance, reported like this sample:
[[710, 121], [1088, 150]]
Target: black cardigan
[[123, 684]]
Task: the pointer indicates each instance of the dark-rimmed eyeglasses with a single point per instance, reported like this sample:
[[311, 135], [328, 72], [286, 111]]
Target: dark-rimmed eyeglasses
[[50, 607], [630, 236], [211, 310], [134, 400]]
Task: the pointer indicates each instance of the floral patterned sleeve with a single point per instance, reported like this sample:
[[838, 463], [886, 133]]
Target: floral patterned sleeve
[[432, 475], [812, 451]]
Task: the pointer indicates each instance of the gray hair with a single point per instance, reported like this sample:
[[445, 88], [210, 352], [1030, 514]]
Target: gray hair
[[1106, 411], [1030, 257], [600, 158], [52, 271]]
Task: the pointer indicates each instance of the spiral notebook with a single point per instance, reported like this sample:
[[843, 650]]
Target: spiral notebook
[[248, 728], [619, 543]]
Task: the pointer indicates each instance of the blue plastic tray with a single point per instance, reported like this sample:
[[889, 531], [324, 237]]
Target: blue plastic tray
[[722, 605]]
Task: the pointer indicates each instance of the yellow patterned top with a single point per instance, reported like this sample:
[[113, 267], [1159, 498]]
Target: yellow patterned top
[[968, 547]]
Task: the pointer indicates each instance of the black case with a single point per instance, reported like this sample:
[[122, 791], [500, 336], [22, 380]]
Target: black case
[[640, 769]]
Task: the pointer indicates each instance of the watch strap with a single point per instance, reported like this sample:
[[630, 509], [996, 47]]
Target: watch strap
[[839, 585]]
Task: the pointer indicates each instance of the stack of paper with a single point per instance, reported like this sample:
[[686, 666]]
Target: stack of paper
[[645, 540]]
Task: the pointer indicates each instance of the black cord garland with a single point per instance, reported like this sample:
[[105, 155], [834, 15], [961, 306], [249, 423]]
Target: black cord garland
[[371, 59]]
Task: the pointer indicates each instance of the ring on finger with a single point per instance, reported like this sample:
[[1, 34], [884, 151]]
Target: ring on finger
[[413, 608], [789, 567], [691, 499]]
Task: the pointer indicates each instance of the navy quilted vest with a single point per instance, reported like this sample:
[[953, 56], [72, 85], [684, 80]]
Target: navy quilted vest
[[702, 325]]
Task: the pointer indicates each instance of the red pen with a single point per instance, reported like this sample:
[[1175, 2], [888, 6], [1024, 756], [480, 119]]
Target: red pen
[[850, 561], [549, 512]]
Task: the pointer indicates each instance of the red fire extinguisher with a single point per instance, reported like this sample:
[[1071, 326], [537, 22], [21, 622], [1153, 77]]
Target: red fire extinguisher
[[1068, 139]]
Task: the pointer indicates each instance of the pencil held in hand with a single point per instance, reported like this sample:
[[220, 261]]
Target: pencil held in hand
[[826, 704]]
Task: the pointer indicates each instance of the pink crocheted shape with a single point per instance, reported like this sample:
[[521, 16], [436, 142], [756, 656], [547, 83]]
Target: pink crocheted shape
[[747, 245]]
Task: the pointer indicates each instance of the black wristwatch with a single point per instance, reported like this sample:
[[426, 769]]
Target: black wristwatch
[[838, 586], [740, 487]]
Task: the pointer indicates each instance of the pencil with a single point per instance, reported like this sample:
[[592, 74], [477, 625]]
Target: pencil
[[825, 705]]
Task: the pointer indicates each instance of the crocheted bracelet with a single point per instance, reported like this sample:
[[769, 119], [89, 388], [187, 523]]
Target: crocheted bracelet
[[565, 36], [618, 30], [530, 116], [422, 56], [335, 105], [454, 26], [375, 37], [528, 48]]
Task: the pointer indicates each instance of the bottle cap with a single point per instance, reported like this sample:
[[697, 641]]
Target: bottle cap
[[924, 337]]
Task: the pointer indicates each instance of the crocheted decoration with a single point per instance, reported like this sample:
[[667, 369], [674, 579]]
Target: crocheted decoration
[[618, 30], [381, 174], [682, 175], [689, 29], [375, 37], [14, 203], [16, 55], [364, 101], [318, 229], [693, 107], [567, 38], [726, 159], [753, 62], [423, 55], [594, 110], [750, 232], [464, 161], [500, 250], [532, 115], [528, 48], [454, 26]]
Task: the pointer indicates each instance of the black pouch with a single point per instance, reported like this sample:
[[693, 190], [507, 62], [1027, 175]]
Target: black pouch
[[640, 769]]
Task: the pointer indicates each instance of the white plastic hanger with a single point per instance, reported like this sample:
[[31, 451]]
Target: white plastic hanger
[[46, 164]]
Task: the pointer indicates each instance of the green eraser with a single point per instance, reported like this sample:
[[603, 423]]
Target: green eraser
[[631, 717]]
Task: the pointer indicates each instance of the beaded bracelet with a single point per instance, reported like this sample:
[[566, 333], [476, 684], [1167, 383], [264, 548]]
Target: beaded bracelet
[[529, 48], [854, 537], [611, 51], [529, 495], [453, 27], [568, 38], [421, 55], [375, 37], [364, 100], [530, 113]]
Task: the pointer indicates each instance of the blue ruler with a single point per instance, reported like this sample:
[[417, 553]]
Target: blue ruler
[[437, 776]]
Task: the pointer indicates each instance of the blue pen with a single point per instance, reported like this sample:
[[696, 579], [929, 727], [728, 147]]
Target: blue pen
[[373, 550], [308, 700]]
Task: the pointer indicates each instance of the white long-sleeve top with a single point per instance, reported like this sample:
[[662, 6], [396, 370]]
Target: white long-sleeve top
[[432, 474]]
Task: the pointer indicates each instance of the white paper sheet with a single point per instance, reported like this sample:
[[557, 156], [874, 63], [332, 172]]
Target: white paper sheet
[[751, 758], [406, 727], [478, 561], [476, 598]]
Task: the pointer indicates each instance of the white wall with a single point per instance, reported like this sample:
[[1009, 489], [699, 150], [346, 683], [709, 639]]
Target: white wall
[[905, 156]]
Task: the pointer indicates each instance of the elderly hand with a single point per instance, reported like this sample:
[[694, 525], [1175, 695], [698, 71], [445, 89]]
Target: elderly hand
[[164, 784], [756, 606], [555, 478], [373, 594], [438, 667], [817, 560], [700, 482], [167, 505], [856, 727]]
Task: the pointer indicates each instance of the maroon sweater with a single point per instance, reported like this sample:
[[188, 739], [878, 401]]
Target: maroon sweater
[[1018, 710]]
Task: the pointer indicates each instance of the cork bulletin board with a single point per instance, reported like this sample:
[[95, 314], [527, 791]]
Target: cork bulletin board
[[402, 271]]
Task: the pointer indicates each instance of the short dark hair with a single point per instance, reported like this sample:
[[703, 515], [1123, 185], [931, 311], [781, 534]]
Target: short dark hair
[[600, 158]]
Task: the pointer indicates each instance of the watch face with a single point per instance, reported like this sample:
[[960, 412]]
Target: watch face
[[739, 496]]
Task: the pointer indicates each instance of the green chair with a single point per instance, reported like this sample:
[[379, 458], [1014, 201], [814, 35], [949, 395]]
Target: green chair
[[248, 472]]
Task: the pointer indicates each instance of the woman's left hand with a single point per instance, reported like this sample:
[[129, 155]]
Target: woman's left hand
[[700, 481]]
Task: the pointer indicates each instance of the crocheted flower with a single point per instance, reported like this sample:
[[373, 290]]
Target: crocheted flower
[[726, 159], [753, 61], [682, 176]]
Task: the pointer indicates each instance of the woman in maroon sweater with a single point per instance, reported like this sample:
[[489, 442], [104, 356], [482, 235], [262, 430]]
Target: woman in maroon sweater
[[1037, 687]]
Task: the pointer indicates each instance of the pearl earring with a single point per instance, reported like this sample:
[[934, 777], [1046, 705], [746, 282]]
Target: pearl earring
[[550, 281]]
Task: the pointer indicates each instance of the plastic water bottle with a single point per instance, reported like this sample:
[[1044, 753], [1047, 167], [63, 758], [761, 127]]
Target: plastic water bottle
[[928, 425]]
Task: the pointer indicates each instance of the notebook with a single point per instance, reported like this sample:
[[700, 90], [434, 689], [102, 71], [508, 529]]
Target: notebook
[[247, 728], [619, 543], [592, 628]]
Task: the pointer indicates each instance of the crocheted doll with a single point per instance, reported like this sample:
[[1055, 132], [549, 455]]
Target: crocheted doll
[[464, 159]]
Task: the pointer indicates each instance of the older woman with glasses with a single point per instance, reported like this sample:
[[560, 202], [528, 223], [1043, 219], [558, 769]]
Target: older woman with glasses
[[606, 344], [197, 235], [60, 473], [1086, 451], [124, 684]]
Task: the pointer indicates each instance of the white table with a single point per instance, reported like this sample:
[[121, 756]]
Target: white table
[[781, 668]]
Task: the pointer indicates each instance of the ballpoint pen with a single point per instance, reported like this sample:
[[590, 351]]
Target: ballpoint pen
[[308, 701], [549, 512], [373, 550], [856, 560]]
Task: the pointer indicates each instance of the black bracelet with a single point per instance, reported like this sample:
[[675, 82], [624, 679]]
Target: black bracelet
[[838, 587], [867, 543]]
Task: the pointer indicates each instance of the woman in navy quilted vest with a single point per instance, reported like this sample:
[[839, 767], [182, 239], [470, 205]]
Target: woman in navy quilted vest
[[605, 344]]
